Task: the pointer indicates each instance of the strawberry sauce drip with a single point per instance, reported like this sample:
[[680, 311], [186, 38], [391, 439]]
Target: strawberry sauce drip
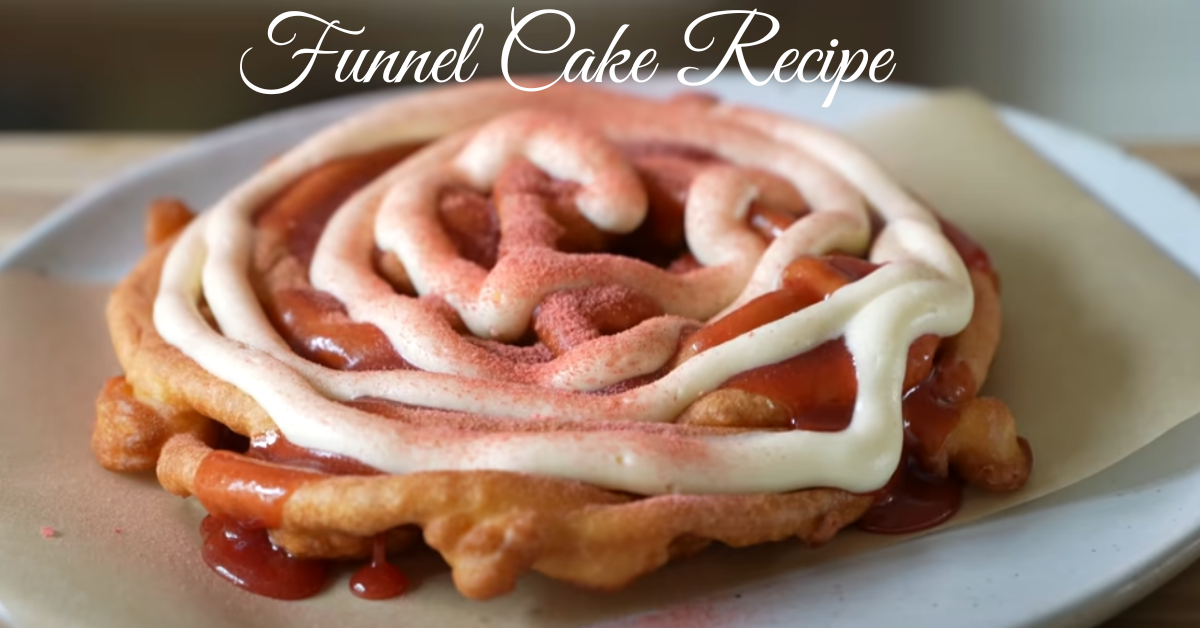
[[913, 499], [379, 579], [246, 557]]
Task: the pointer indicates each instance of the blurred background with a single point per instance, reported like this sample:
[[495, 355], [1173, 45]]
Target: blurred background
[[1125, 69]]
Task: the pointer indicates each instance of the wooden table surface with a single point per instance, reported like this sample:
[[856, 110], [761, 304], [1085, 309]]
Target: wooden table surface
[[38, 172]]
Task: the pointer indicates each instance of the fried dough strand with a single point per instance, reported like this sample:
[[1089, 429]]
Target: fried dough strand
[[493, 526]]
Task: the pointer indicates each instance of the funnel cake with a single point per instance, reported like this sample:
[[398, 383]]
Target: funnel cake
[[575, 332]]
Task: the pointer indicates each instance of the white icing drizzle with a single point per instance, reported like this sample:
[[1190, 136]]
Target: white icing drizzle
[[570, 132]]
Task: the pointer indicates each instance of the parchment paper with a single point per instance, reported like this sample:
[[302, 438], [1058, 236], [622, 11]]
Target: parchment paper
[[1099, 357]]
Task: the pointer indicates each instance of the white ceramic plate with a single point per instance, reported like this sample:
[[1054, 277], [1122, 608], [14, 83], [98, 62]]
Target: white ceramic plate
[[1070, 559]]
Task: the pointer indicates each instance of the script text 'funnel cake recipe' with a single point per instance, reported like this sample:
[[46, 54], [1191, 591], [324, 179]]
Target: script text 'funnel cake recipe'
[[568, 331], [585, 65]]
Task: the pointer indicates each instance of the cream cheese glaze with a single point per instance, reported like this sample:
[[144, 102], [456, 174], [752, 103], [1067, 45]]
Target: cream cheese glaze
[[572, 133]]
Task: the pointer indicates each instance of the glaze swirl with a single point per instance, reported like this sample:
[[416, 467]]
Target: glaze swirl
[[621, 440]]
